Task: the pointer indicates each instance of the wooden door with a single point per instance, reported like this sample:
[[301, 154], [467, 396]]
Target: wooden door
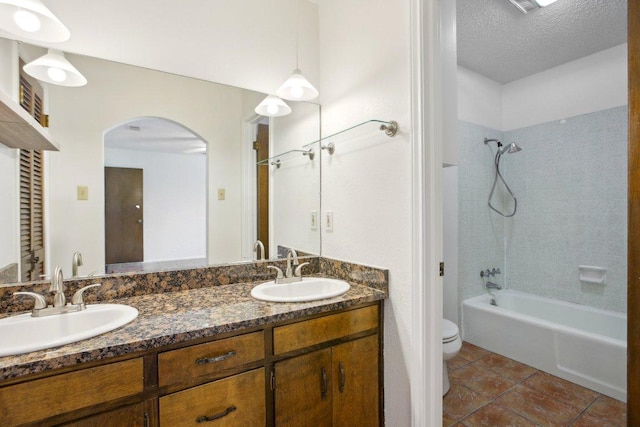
[[261, 145], [31, 214], [303, 390], [124, 214], [355, 383], [633, 253]]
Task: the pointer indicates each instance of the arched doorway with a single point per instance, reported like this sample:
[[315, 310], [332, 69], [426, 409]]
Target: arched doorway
[[155, 196]]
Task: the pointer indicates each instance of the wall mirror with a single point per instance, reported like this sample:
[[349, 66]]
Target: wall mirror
[[193, 140]]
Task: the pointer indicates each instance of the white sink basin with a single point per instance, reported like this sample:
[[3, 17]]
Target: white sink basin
[[310, 289], [23, 333]]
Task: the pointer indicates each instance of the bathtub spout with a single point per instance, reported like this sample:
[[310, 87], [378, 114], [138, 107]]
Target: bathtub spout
[[491, 285]]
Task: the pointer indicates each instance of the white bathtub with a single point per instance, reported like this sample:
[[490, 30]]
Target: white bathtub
[[581, 344]]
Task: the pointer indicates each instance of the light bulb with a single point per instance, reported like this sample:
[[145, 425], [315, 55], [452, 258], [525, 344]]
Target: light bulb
[[27, 21], [297, 92], [272, 109], [56, 74]]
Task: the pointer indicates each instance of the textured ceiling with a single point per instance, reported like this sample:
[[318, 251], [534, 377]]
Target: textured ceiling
[[498, 41]]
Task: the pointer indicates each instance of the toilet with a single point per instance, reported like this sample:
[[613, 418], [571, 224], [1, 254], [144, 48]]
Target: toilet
[[451, 345]]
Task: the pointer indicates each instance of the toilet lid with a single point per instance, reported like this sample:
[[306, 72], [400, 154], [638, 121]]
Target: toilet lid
[[449, 330]]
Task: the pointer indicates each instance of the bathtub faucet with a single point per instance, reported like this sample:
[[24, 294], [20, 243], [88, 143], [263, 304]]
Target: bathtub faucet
[[490, 273], [491, 285]]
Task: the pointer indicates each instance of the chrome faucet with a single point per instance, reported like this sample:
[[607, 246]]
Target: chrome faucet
[[291, 253], [60, 305], [291, 274], [77, 262], [57, 286], [256, 245], [491, 285]]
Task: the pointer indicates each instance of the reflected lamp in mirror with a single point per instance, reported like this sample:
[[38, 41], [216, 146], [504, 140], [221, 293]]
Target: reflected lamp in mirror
[[272, 106], [32, 20], [54, 68]]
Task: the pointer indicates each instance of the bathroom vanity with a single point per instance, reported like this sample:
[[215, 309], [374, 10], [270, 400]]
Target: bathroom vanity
[[214, 356]]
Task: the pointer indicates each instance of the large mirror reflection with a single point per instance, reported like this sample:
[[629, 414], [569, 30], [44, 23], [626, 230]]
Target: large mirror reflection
[[192, 148]]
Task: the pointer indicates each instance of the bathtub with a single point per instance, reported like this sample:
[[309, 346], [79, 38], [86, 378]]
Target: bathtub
[[581, 344]]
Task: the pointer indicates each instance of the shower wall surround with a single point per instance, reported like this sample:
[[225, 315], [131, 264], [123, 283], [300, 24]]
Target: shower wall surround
[[480, 233], [571, 184], [570, 181]]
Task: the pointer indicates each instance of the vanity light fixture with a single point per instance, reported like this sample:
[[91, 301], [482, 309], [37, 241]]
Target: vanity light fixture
[[32, 20], [272, 106], [54, 68], [297, 87], [526, 6]]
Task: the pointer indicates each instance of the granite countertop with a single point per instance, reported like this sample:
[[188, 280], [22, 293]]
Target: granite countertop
[[176, 317]]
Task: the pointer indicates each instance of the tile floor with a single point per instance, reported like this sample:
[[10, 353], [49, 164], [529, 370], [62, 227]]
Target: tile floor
[[493, 391]]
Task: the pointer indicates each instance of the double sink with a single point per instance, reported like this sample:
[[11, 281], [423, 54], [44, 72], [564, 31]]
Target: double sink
[[24, 333]]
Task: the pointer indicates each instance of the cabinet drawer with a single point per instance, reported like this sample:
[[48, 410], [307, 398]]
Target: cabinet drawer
[[185, 364], [39, 399], [310, 332], [235, 401]]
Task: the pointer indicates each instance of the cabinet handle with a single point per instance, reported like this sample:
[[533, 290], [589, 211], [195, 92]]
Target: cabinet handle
[[220, 358], [214, 417], [342, 377], [323, 389]]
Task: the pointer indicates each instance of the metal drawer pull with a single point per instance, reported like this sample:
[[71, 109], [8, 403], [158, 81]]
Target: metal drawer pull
[[342, 377], [215, 359], [323, 390], [226, 412]]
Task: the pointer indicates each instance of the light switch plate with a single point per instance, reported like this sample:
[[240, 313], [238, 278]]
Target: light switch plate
[[314, 220], [221, 194], [83, 192], [328, 220]]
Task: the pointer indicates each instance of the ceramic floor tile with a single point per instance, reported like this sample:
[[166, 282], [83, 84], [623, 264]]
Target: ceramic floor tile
[[461, 401], [494, 415], [506, 367], [586, 420], [456, 362], [472, 352], [610, 410], [560, 389], [481, 380], [448, 420], [538, 407]]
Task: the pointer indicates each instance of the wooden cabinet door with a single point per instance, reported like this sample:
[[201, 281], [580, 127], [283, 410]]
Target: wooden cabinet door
[[128, 416], [355, 383], [234, 401], [303, 390]]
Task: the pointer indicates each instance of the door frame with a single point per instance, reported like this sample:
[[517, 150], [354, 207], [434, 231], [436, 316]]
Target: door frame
[[427, 111], [249, 193]]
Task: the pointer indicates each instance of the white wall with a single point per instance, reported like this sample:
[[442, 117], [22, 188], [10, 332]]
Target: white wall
[[593, 83], [248, 43], [450, 243], [9, 230], [364, 57], [174, 200], [115, 94], [479, 99]]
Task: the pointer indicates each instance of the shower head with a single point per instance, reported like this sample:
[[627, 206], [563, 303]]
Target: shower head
[[511, 148]]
